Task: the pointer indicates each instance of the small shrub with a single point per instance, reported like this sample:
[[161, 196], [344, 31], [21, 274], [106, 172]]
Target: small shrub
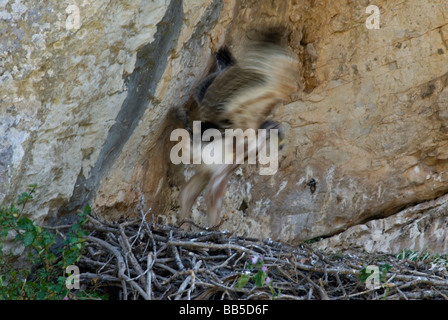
[[45, 277], [435, 262], [261, 278]]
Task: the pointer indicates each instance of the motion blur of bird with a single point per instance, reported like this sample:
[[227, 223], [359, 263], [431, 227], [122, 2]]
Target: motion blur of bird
[[239, 95]]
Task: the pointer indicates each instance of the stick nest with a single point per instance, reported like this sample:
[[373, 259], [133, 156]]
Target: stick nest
[[142, 260]]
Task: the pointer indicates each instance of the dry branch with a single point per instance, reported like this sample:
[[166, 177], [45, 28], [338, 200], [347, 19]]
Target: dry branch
[[141, 260]]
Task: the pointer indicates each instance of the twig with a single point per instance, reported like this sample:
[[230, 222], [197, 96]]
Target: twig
[[210, 245], [190, 278], [126, 245], [402, 293], [164, 262], [120, 264], [149, 276], [444, 296], [177, 258]]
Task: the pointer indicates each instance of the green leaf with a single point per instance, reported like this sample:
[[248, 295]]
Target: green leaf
[[28, 238], [13, 210], [25, 224], [260, 278], [87, 210], [4, 232], [383, 271], [76, 227], [242, 281], [24, 198], [364, 275], [71, 240], [48, 238], [82, 216], [71, 256]]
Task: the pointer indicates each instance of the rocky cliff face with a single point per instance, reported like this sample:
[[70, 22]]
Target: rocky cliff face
[[90, 91]]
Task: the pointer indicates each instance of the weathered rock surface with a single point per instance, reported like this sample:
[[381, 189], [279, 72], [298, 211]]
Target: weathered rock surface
[[419, 228], [87, 106]]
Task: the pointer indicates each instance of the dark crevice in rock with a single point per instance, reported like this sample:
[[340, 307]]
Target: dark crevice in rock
[[149, 68], [157, 195]]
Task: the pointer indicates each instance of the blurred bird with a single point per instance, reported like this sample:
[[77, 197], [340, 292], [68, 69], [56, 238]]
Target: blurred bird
[[239, 95], [215, 176]]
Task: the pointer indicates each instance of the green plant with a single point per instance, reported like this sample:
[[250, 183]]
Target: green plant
[[435, 262], [313, 240], [382, 269], [260, 277], [45, 257], [366, 273], [421, 256]]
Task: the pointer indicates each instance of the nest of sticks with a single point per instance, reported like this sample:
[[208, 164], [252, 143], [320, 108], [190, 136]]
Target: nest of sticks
[[142, 260]]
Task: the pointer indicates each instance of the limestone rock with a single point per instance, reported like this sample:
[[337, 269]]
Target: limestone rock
[[90, 91], [419, 228]]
